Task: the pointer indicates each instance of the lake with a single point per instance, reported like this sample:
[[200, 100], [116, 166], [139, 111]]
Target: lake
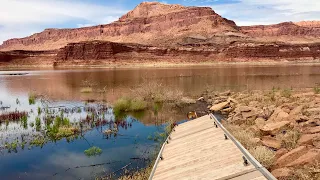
[[133, 145]]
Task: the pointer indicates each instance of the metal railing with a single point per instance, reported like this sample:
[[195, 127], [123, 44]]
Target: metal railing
[[159, 157], [247, 155]]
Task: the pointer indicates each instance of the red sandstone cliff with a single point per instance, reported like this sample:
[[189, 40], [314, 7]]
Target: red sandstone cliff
[[148, 23], [299, 29], [154, 32]]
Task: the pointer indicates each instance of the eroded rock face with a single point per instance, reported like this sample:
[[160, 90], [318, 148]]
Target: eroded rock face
[[147, 23], [283, 29]]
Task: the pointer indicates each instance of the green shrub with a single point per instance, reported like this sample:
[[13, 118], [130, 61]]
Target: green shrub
[[93, 151]]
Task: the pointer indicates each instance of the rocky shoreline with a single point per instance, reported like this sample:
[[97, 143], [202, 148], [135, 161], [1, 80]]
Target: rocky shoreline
[[281, 128]]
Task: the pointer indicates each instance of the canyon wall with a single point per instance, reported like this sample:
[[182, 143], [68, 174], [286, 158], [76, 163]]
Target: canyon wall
[[138, 26]]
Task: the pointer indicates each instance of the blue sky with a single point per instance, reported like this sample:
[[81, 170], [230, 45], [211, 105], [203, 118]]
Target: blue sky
[[20, 18]]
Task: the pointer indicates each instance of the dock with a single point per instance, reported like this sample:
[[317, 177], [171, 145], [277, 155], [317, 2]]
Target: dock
[[203, 149]]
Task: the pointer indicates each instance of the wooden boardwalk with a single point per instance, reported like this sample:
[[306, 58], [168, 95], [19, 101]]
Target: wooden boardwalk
[[199, 149]]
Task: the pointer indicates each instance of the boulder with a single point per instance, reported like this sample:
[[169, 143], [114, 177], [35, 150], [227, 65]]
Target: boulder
[[312, 130], [314, 111], [260, 122], [274, 127], [282, 173], [271, 142], [281, 152], [297, 110], [282, 116], [308, 139], [218, 107], [291, 156], [308, 158]]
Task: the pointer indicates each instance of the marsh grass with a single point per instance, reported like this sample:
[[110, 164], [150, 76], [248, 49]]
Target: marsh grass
[[142, 174], [128, 104], [32, 98]]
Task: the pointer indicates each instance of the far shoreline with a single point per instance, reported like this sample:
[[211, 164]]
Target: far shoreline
[[160, 65]]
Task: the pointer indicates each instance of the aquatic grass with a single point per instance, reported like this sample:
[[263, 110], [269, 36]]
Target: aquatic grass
[[127, 105], [93, 151], [39, 110], [38, 141], [24, 122], [32, 98], [38, 123], [12, 146]]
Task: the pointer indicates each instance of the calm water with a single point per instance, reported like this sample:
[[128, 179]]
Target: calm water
[[65, 159]]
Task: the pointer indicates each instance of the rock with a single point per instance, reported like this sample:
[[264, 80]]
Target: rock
[[312, 130], [218, 107], [291, 156], [260, 122], [271, 142], [252, 113], [297, 118], [208, 107], [282, 116], [200, 99], [297, 110], [226, 93], [187, 100], [308, 139], [308, 158], [274, 127], [282, 173], [281, 152], [314, 111], [232, 100], [243, 109]]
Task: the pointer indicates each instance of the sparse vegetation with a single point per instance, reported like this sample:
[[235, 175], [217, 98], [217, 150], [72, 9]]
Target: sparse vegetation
[[93, 151], [127, 104], [289, 140], [286, 93], [316, 90], [32, 98], [86, 90], [264, 155]]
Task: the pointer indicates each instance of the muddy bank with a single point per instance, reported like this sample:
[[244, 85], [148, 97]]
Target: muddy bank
[[280, 127]]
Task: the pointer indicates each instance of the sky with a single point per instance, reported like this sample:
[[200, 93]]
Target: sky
[[20, 18]]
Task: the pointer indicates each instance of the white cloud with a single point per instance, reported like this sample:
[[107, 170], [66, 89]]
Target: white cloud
[[250, 12], [18, 18]]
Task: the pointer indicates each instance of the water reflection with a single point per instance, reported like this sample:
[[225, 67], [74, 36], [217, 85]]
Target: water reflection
[[129, 145]]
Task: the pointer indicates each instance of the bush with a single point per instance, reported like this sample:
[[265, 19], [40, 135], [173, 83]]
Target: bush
[[264, 155], [290, 139]]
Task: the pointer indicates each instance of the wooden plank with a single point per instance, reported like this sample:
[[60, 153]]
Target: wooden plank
[[198, 150]]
